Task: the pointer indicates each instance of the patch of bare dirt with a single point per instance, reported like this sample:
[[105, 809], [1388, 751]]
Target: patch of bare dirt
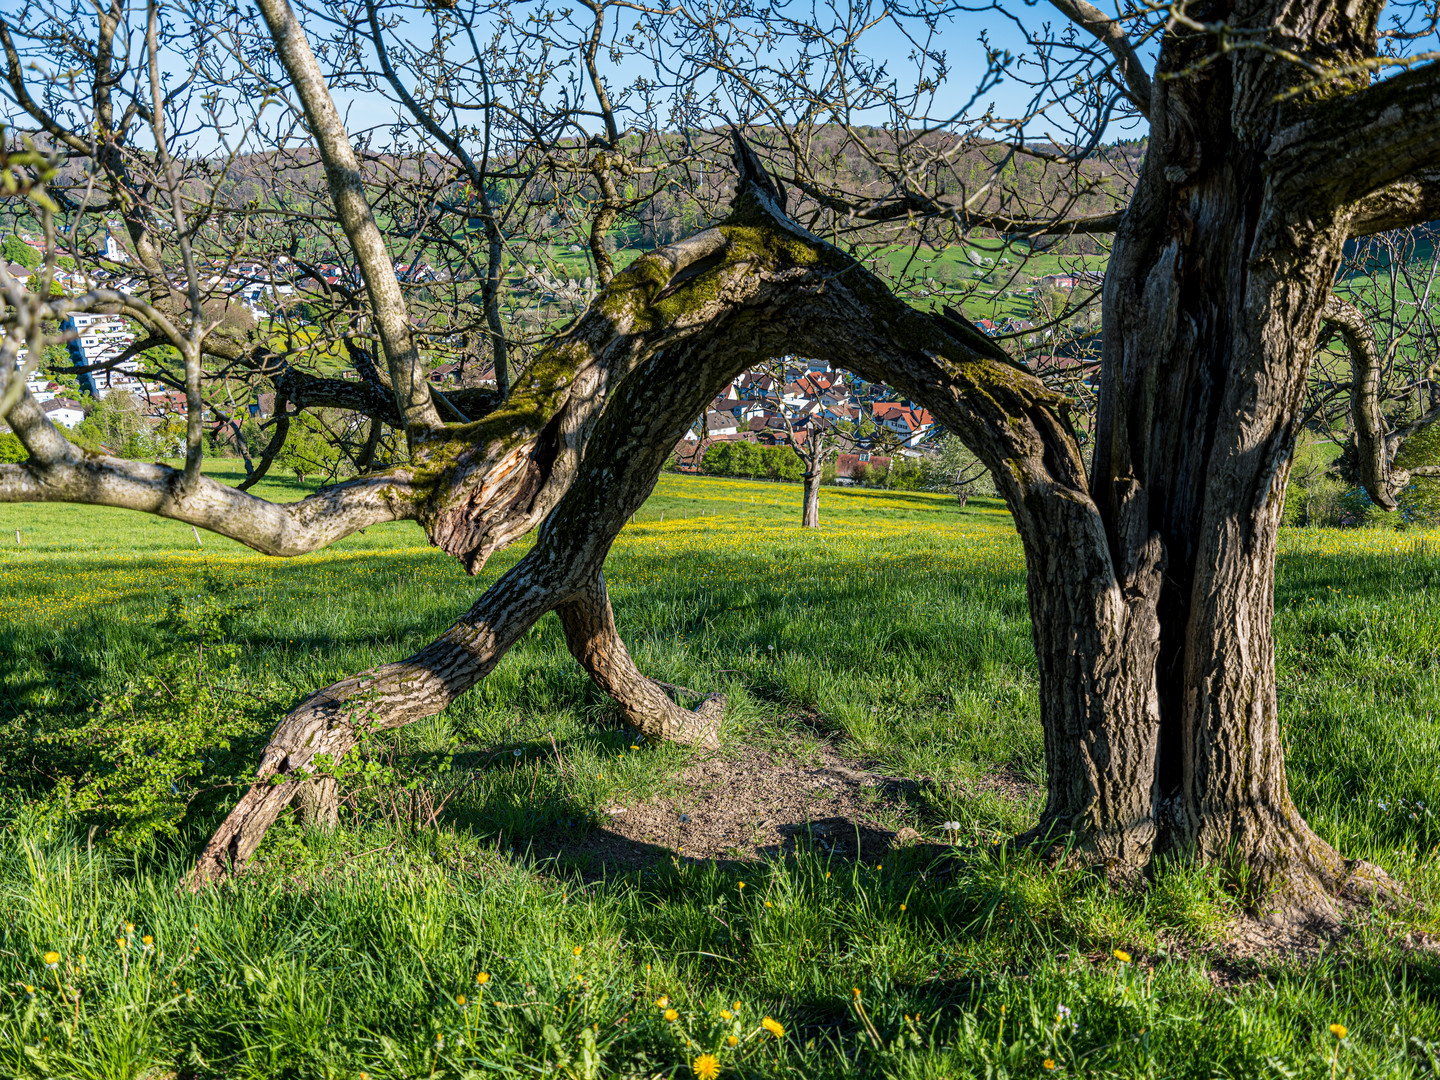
[[748, 805]]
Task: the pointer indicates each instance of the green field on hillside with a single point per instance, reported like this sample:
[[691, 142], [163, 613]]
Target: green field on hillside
[[520, 888]]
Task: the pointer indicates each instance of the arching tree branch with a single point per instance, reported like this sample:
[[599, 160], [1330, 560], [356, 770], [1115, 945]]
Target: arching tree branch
[[1374, 456]]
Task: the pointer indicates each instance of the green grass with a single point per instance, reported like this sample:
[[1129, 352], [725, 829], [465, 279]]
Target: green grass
[[900, 630]]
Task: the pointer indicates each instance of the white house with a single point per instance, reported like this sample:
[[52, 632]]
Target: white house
[[64, 412], [720, 424]]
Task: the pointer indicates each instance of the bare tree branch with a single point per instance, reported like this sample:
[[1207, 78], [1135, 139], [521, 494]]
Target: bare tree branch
[[347, 189], [1112, 35]]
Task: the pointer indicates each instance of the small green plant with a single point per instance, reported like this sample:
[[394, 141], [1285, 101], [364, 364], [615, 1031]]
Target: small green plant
[[181, 729]]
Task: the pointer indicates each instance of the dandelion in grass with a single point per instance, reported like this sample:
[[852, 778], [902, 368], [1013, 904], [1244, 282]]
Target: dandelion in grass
[[29, 989], [1122, 956], [726, 1014], [52, 960], [774, 1027], [578, 949], [460, 1000], [1048, 1063], [740, 885], [732, 1040], [671, 1015], [1339, 1031], [902, 907], [705, 1067], [662, 1002], [481, 978], [147, 942]]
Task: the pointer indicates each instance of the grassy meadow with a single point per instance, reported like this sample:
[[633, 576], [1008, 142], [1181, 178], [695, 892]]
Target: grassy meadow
[[444, 931]]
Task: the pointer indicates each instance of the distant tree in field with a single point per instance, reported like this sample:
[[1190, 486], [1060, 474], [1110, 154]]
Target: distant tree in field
[[952, 467], [117, 422], [1278, 134], [1373, 388], [809, 433], [309, 450]]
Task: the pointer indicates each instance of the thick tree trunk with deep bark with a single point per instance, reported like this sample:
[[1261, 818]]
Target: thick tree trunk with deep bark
[[1212, 301]]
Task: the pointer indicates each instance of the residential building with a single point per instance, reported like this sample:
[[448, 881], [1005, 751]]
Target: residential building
[[64, 412], [98, 340]]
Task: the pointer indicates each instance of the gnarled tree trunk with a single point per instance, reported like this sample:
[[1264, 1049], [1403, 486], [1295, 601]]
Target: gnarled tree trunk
[[580, 445], [1213, 298]]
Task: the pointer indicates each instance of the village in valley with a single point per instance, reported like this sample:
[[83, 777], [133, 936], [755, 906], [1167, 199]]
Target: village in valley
[[867, 427]]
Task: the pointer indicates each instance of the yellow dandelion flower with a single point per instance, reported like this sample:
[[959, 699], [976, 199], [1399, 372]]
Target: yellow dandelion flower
[[705, 1067], [1048, 1063], [856, 991], [30, 989], [726, 1014], [671, 1015], [740, 885], [1122, 956], [768, 904], [52, 960], [481, 978], [731, 1040], [902, 907], [1339, 1030], [736, 1006], [460, 1000], [662, 1002], [774, 1027], [147, 941]]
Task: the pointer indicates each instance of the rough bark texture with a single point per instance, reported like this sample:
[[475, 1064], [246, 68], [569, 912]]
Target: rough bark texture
[[810, 516], [593, 640], [317, 803], [1216, 285]]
